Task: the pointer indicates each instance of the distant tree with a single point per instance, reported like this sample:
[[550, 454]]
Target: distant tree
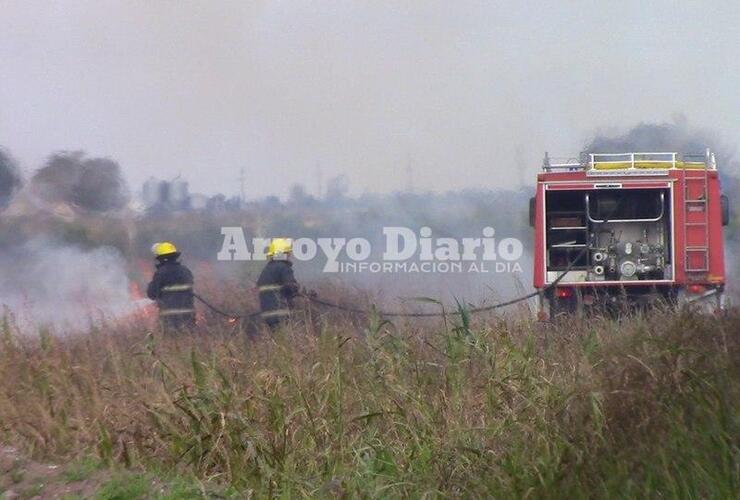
[[10, 178], [298, 195], [233, 204], [216, 203], [337, 188], [271, 202], [92, 184], [55, 181], [101, 186]]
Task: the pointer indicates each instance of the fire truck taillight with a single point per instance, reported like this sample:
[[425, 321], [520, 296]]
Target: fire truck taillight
[[564, 293], [696, 289]]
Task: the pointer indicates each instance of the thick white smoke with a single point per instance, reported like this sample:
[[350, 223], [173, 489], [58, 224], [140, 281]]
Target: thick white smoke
[[44, 283]]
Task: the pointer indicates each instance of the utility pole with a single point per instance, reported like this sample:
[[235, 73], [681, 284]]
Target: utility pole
[[409, 175], [319, 181], [242, 180]]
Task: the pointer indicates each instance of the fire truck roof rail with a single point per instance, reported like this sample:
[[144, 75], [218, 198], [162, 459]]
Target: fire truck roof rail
[[642, 162], [551, 164]]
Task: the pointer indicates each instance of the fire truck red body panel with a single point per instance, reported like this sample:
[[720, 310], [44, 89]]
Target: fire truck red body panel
[[688, 252]]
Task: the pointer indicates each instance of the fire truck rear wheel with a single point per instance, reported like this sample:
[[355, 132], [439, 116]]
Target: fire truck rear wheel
[[562, 307]]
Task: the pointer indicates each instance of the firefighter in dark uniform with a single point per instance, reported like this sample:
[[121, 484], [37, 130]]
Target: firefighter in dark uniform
[[276, 285], [172, 289]]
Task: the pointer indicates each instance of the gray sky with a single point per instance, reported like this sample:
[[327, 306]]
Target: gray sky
[[458, 89]]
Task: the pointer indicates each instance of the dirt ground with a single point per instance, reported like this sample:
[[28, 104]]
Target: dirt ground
[[23, 478]]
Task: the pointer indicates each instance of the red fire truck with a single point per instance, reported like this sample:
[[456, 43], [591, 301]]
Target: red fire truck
[[628, 229]]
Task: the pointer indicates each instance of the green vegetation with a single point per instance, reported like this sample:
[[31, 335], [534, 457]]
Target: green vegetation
[[640, 407], [125, 487]]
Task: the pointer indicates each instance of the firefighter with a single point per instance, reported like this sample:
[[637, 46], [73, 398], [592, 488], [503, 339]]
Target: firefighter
[[276, 285], [172, 288]]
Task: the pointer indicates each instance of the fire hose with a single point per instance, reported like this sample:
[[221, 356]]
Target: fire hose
[[398, 314], [355, 310], [224, 313], [472, 310]]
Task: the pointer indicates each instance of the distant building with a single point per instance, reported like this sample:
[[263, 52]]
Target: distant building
[[165, 196], [198, 202]]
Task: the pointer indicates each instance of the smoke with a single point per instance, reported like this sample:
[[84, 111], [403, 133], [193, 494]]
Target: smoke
[[10, 178], [664, 137], [91, 184], [45, 282], [456, 215], [45, 278]]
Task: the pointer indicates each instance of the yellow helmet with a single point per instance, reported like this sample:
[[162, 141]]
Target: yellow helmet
[[164, 248], [280, 246]]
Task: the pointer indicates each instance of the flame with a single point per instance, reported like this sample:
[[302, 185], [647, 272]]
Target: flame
[[135, 291], [143, 307]]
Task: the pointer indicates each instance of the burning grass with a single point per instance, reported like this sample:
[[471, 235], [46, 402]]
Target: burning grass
[[471, 407]]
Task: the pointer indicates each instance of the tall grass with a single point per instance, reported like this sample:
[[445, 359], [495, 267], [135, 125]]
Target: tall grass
[[469, 407]]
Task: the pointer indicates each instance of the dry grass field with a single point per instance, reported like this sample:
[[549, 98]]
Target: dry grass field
[[640, 407]]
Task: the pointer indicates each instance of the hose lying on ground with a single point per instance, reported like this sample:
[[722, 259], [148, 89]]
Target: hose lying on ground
[[398, 314], [355, 310], [224, 313], [470, 310]]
